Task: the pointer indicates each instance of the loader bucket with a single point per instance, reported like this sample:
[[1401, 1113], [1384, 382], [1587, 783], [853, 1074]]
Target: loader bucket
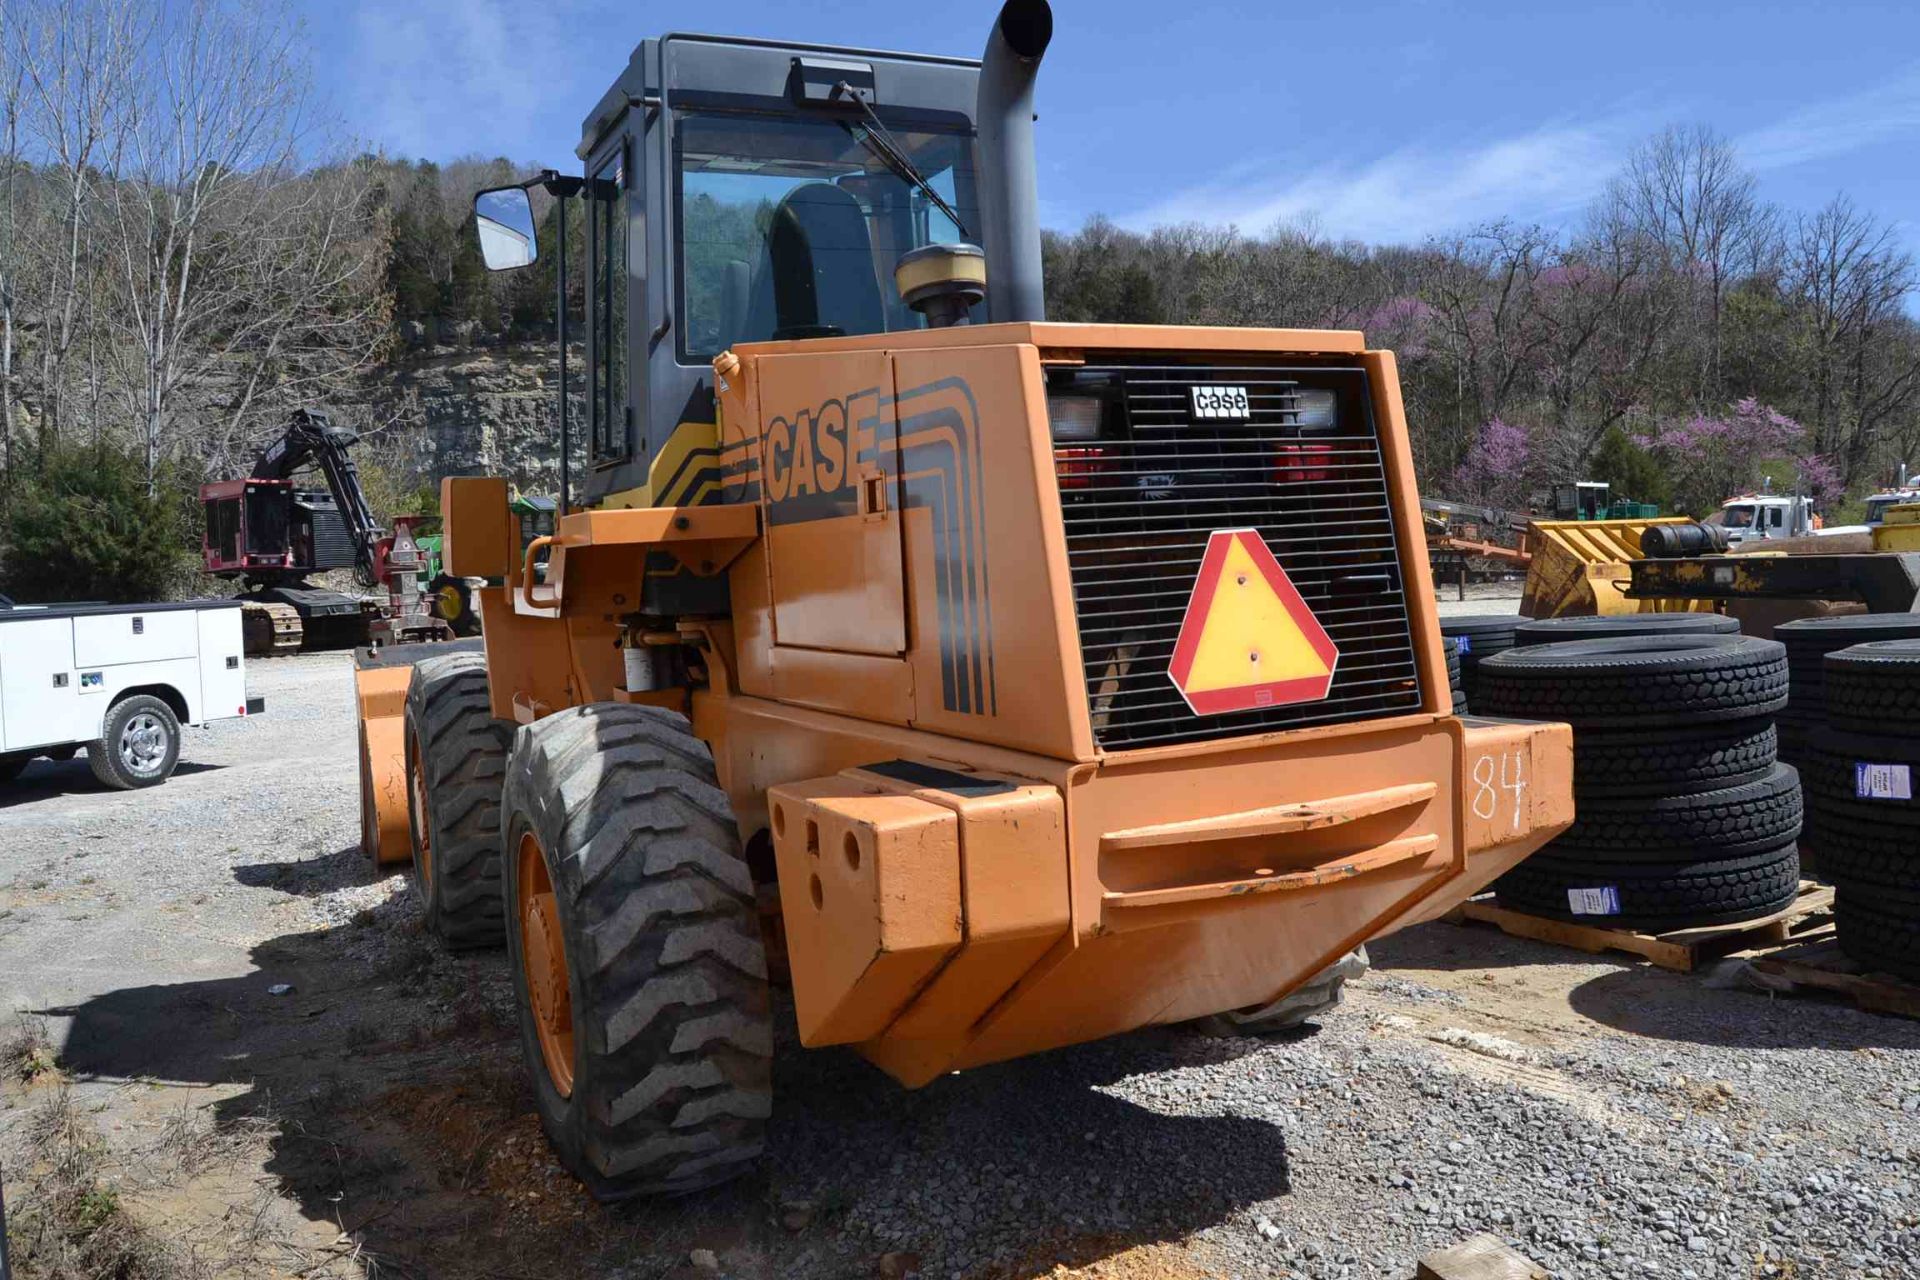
[[380, 697], [380, 679], [1579, 568]]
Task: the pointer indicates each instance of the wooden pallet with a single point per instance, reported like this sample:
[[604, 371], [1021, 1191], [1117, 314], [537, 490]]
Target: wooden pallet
[[1822, 966], [1682, 950]]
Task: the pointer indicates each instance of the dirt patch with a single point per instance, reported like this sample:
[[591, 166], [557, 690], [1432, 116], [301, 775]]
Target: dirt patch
[[1148, 1262], [70, 1217]]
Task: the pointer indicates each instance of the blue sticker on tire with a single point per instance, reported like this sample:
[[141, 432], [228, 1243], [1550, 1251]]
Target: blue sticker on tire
[[1602, 900]]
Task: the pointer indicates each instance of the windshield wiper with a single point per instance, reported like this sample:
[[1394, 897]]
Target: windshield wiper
[[874, 137]]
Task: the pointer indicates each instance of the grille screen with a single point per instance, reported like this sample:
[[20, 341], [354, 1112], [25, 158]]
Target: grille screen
[[1140, 501], [332, 544]]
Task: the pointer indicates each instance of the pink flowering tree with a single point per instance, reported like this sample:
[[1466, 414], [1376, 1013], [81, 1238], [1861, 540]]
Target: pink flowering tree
[[1498, 467], [1710, 459]]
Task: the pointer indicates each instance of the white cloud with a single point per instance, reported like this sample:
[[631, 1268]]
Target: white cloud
[[1544, 174], [1874, 115], [1412, 193]]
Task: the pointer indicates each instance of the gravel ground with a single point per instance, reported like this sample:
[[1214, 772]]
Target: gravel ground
[[1608, 1119]]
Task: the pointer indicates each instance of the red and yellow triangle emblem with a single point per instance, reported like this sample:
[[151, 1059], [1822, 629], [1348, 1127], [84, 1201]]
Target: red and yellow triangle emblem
[[1248, 640]]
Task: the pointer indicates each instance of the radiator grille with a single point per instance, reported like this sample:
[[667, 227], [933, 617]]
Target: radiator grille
[[1140, 502], [332, 544]]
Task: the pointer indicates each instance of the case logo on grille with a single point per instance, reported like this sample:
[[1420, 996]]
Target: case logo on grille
[[1248, 640], [1220, 403]]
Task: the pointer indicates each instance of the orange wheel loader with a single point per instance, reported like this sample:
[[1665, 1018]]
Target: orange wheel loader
[[999, 684]]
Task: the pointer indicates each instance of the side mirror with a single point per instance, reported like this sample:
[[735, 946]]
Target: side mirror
[[504, 218]]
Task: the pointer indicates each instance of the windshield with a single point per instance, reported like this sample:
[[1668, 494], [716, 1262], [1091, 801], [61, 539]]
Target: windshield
[[1739, 517], [1877, 509], [789, 228]]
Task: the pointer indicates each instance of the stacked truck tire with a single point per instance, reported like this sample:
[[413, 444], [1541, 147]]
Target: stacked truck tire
[[1475, 638], [1809, 641], [1860, 765], [1684, 814], [1532, 631], [1452, 648]]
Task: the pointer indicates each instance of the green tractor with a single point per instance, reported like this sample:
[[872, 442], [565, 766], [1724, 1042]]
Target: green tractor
[[451, 599]]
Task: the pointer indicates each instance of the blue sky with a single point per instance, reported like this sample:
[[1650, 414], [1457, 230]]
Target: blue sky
[[1390, 121]]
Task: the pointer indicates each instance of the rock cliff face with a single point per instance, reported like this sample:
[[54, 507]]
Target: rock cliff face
[[479, 411]]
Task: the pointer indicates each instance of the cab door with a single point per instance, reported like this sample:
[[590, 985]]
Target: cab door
[[833, 515]]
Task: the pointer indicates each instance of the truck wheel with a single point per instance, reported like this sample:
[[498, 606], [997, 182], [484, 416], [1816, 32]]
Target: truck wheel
[[11, 768], [456, 763], [636, 953], [1319, 995], [138, 746]]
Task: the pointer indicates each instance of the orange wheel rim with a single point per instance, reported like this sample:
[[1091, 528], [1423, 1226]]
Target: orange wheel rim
[[543, 957], [422, 826]]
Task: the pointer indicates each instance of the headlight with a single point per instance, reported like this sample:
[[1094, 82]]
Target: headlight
[[1074, 417], [1314, 408]]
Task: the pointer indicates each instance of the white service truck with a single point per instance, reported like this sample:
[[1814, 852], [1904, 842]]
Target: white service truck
[[118, 680]]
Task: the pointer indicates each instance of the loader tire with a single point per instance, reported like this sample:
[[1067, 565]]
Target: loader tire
[[1881, 939], [1618, 626], [139, 744], [456, 755], [1634, 683], [1318, 995], [1676, 761], [1676, 895], [1875, 688], [1726, 823], [636, 952]]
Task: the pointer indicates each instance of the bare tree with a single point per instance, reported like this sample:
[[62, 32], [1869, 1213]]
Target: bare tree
[[77, 59], [1850, 280], [1685, 191], [212, 141]]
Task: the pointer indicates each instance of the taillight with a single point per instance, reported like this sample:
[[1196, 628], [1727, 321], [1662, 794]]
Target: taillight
[[1077, 467], [1302, 463]]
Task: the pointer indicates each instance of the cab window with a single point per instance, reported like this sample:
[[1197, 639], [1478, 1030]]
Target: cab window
[[789, 228]]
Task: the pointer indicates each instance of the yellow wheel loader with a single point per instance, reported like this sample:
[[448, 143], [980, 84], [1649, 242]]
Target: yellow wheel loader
[[999, 684]]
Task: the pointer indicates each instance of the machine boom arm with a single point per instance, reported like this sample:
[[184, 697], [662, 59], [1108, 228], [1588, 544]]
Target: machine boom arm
[[311, 437]]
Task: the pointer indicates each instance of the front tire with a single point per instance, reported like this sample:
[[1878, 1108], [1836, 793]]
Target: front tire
[[636, 953], [139, 745], [456, 756]]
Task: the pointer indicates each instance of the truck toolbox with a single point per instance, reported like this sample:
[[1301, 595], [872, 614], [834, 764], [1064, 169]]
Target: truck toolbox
[[119, 680]]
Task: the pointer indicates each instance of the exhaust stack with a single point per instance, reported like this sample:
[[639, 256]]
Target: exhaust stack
[[1009, 200]]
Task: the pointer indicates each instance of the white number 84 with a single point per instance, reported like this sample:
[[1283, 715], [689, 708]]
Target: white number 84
[[1508, 774]]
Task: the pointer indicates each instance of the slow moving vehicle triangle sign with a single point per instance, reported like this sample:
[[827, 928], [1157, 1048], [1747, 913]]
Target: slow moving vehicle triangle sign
[[1248, 641]]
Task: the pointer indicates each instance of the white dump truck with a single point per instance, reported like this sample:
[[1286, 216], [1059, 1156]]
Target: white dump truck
[[117, 680]]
